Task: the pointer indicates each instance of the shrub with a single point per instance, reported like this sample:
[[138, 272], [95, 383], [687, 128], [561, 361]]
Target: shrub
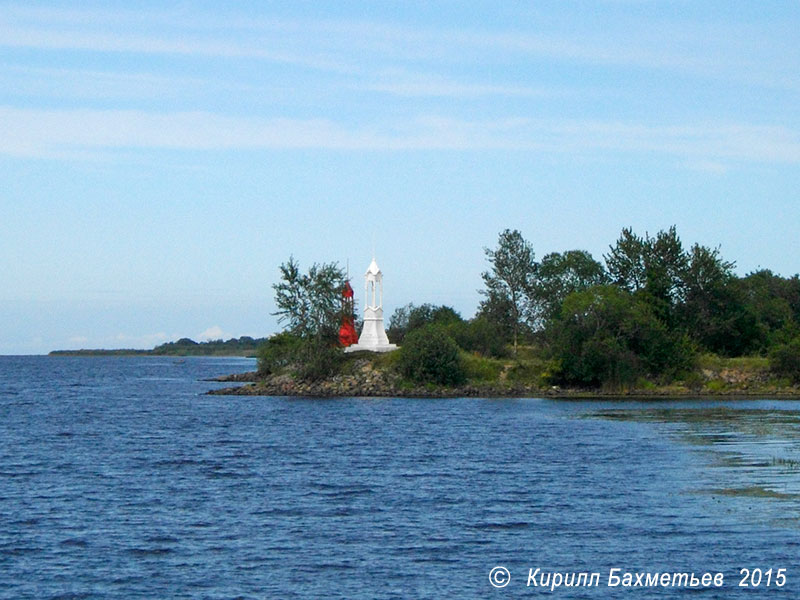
[[479, 335], [318, 362], [277, 353], [479, 368], [429, 355], [313, 359], [784, 360]]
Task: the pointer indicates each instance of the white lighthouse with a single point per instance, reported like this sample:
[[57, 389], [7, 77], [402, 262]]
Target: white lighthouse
[[373, 336]]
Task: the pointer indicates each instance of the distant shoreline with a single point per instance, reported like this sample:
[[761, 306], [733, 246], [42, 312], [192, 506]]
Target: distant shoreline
[[132, 352], [245, 346]]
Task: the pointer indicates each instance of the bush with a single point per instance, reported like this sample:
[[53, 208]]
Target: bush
[[278, 352], [318, 362], [429, 355], [480, 335], [784, 360], [314, 359]]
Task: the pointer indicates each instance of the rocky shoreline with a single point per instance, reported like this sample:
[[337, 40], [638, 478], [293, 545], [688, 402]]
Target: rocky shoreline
[[366, 381]]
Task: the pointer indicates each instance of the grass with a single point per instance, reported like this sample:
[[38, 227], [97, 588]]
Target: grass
[[713, 375], [713, 362], [482, 369]]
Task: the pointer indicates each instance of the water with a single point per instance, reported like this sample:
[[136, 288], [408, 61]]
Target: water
[[120, 479]]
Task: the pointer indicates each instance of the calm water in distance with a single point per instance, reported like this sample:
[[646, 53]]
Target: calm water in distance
[[120, 479]]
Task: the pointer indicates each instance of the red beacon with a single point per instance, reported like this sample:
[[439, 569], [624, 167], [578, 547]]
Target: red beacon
[[347, 332]]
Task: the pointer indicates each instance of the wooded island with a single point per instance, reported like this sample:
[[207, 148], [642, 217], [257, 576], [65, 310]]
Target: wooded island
[[652, 318]]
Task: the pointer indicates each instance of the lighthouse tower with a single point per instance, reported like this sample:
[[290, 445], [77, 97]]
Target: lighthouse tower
[[373, 336]]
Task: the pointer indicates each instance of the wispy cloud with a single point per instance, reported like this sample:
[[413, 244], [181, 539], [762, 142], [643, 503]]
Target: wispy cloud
[[148, 44], [49, 133], [349, 46], [417, 85]]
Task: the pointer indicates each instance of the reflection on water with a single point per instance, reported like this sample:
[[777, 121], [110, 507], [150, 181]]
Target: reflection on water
[[746, 452]]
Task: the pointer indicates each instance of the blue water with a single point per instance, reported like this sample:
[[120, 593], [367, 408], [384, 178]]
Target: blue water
[[120, 479]]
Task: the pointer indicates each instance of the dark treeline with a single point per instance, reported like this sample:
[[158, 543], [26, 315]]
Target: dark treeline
[[646, 311], [243, 346]]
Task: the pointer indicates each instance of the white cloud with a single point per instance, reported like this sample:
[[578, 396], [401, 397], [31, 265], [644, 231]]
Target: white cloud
[[212, 333], [71, 133], [341, 46], [147, 340]]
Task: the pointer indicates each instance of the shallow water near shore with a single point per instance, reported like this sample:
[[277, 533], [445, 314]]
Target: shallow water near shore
[[119, 478]]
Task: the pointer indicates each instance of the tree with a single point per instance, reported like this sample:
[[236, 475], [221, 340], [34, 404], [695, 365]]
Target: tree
[[406, 319], [608, 336], [511, 280], [561, 274], [774, 302], [479, 335], [714, 312], [310, 304], [626, 261], [655, 266]]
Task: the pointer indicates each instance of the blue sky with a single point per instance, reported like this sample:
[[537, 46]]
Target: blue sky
[[158, 161]]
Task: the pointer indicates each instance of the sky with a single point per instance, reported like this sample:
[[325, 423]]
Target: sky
[[159, 161]]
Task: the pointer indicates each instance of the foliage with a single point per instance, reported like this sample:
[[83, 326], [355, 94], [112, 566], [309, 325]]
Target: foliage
[[318, 362], [243, 346], [310, 304], [510, 282], [653, 266], [560, 274], [429, 355], [607, 336], [307, 359], [498, 310], [626, 261], [479, 368], [479, 335], [714, 311], [774, 303], [278, 352], [785, 360], [410, 317]]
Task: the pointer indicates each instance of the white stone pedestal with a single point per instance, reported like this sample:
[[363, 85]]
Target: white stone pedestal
[[373, 337]]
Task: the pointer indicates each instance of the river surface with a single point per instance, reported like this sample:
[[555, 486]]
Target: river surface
[[120, 479]]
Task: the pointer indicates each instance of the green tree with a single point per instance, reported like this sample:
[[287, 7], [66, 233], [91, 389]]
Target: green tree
[[654, 266], [278, 352], [510, 282], [406, 319], [479, 335], [714, 312], [607, 336], [774, 302], [310, 305], [626, 261], [560, 274]]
